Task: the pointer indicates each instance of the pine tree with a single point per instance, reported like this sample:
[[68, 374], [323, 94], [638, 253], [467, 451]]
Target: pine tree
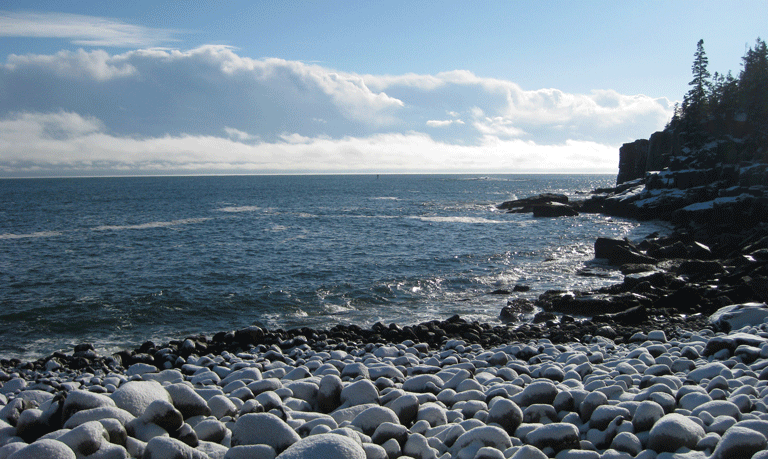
[[695, 103], [753, 90], [701, 75], [724, 101]]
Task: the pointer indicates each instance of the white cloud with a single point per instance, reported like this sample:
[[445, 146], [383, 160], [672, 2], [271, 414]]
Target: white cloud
[[82, 30], [604, 112], [238, 135], [443, 123], [497, 126], [61, 142], [95, 65], [348, 91], [211, 109]]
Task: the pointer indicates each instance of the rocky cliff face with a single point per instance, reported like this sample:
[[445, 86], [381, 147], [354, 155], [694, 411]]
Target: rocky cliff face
[[641, 156], [708, 190], [632, 160]]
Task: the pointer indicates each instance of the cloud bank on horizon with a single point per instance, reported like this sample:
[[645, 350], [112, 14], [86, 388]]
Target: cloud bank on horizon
[[211, 110]]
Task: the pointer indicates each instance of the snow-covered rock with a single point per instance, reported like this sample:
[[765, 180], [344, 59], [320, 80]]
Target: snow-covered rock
[[736, 316], [674, 431]]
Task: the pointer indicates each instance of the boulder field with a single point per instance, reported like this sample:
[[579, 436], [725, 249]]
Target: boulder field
[[683, 394]]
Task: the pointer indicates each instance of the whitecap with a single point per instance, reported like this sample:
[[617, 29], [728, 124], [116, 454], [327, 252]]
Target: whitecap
[[150, 225], [471, 220], [31, 235], [235, 209], [331, 308]]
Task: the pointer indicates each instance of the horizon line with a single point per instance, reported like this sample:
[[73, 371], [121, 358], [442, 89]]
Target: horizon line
[[299, 174]]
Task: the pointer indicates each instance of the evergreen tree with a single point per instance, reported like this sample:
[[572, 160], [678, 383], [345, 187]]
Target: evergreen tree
[[753, 90], [724, 102], [695, 103], [723, 107], [700, 82]]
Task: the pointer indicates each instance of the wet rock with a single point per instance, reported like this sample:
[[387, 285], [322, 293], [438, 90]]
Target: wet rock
[[621, 252], [527, 204], [554, 209]]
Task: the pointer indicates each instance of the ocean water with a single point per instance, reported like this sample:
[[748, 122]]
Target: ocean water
[[118, 261]]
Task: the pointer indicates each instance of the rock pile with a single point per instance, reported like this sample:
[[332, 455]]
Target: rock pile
[[696, 394]]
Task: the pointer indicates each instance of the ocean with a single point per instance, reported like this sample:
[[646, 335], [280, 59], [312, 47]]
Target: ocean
[[121, 260]]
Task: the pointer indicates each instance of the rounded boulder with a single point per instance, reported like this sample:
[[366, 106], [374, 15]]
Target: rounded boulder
[[263, 429], [47, 448], [324, 446], [674, 431], [135, 396]]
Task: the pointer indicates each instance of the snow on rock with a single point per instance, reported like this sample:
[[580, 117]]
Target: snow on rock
[[406, 407], [135, 396], [163, 414], [528, 452], [221, 406], [263, 428], [423, 383], [79, 400], [739, 442], [187, 401], [329, 393], [210, 430], [674, 431], [646, 415], [324, 446], [11, 448], [595, 399], [370, 419], [140, 369], [165, 448], [14, 385], [433, 413], [482, 436], [736, 316], [557, 436], [86, 438], [248, 374], [358, 393], [486, 452], [707, 371], [46, 448], [506, 414], [627, 442], [388, 430], [251, 452], [537, 392], [718, 408], [96, 414], [417, 446]]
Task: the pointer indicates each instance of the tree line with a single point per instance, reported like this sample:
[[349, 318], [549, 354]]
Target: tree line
[[723, 107]]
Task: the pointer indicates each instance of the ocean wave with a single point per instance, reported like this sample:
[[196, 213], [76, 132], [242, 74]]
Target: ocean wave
[[471, 220], [37, 234], [236, 209], [151, 225]]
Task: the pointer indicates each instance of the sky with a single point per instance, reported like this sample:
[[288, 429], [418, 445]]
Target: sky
[[240, 87]]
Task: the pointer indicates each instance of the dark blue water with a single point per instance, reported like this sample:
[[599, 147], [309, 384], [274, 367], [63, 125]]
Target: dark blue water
[[118, 261]]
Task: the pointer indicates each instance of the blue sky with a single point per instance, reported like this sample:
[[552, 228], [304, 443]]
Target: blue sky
[[93, 88]]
